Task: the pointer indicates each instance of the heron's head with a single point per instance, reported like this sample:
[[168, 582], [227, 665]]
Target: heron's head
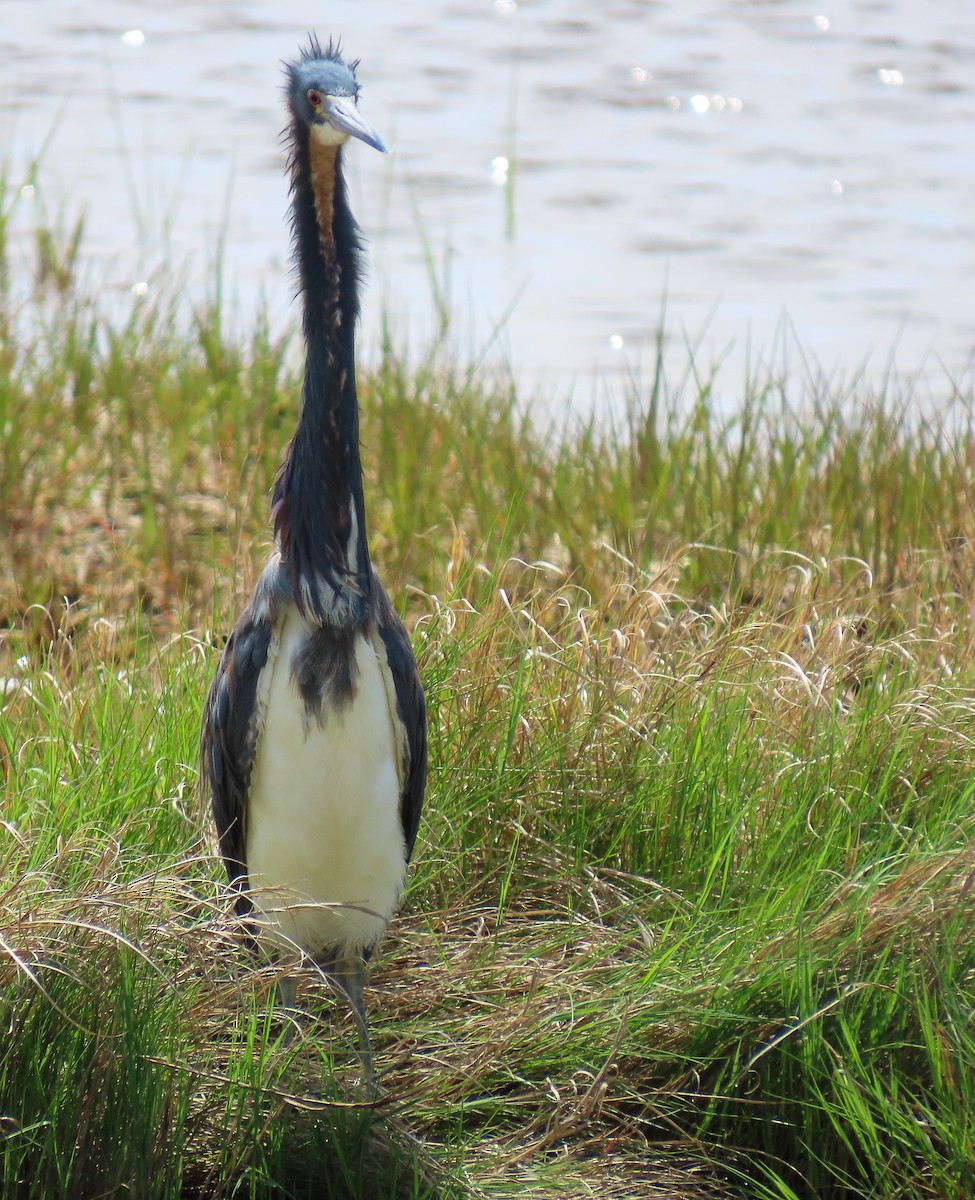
[[323, 94]]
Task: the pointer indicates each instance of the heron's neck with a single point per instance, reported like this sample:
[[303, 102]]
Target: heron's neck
[[319, 515]]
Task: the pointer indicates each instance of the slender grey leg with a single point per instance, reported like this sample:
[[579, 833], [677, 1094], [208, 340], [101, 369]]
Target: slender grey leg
[[288, 999], [348, 974], [288, 991]]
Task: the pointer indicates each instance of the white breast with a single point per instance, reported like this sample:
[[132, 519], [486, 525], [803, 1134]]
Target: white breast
[[325, 849]]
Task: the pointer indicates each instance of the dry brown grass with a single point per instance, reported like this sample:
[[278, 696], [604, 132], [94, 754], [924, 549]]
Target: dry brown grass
[[691, 908]]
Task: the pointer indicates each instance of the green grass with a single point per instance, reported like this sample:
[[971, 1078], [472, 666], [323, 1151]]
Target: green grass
[[692, 902]]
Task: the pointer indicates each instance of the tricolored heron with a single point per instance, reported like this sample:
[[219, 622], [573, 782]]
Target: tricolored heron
[[314, 733]]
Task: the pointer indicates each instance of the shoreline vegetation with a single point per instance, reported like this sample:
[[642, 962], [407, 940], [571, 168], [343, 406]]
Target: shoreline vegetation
[[692, 906]]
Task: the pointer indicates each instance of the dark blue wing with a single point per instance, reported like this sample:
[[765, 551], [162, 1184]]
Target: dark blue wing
[[412, 712], [230, 732]]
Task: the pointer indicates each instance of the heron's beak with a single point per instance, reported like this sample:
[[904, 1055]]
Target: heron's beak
[[342, 113]]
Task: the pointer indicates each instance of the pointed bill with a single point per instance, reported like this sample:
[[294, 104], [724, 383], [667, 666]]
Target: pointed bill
[[342, 114]]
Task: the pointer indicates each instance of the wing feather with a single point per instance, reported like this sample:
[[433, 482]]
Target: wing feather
[[232, 722], [411, 708]]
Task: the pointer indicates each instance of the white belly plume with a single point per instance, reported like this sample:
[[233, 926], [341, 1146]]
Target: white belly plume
[[325, 851]]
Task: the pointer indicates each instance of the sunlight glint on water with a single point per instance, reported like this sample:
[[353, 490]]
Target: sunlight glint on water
[[747, 162]]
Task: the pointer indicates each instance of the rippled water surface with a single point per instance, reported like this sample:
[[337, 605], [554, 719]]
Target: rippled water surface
[[558, 168]]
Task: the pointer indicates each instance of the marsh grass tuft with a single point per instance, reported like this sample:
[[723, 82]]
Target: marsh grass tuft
[[692, 905]]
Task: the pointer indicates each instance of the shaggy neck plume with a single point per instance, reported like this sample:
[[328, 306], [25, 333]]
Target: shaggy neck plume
[[318, 510]]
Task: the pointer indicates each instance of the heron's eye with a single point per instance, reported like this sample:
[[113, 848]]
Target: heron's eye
[[315, 98]]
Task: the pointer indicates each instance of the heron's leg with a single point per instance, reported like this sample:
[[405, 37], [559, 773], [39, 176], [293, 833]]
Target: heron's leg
[[288, 991], [288, 999], [348, 974]]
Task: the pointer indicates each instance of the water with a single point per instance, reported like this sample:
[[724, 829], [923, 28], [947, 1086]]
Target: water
[[758, 164]]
